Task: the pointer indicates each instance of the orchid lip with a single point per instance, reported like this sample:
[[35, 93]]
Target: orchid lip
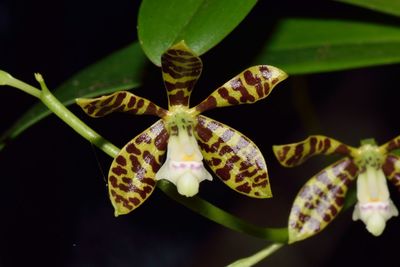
[[374, 205]]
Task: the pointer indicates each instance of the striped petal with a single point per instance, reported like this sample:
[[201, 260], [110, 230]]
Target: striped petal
[[181, 69], [131, 178], [233, 157], [291, 155], [391, 145], [320, 200], [121, 101], [391, 169], [251, 85]]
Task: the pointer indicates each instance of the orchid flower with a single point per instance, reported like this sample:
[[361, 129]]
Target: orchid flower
[[322, 197], [187, 136]]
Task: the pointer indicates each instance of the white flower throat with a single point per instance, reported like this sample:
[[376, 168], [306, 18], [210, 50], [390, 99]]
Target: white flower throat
[[184, 164], [374, 206]]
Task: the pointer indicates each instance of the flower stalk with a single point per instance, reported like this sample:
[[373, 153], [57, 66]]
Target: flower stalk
[[257, 257]]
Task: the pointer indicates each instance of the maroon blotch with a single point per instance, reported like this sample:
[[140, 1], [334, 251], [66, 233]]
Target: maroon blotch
[[245, 188]]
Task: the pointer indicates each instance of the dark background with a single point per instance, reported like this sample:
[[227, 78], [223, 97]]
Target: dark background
[[53, 197]]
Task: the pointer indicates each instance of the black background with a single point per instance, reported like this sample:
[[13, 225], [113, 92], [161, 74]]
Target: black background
[[53, 197]]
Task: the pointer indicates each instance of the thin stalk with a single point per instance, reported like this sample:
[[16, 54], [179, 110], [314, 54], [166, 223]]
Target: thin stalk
[[222, 217], [256, 258], [7, 79], [74, 122]]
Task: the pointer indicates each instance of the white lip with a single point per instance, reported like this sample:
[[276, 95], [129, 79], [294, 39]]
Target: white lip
[[185, 174], [374, 206]]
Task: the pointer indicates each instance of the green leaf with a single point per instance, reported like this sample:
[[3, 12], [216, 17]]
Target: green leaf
[[300, 46], [391, 7], [200, 23], [119, 71]]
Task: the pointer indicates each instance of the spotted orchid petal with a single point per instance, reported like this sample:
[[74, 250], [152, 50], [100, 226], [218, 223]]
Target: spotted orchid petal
[[121, 101], [131, 178], [320, 199], [291, 155], [233, 157], [181, 69], [390, 145], [251, 85], [391, 169]]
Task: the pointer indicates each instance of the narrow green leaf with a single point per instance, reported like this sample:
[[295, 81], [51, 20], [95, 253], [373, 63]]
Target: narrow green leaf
[[119, 71], [391, 7], [201, 23], [300, 46]]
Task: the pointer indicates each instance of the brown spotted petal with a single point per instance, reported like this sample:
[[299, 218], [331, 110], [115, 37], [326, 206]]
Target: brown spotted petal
[[131, 178], [320, 200], [233, 157], [291, 155], [121, 101], [181, 69], [391, 145], [391, 169], [251, 85]]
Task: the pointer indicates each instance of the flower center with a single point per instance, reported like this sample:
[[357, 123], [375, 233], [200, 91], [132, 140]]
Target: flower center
[[184, 164], [374, 206]]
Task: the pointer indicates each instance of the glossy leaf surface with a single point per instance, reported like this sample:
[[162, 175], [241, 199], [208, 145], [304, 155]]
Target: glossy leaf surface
[[120, 70], [301, 45], [200, 23], [391, 7]]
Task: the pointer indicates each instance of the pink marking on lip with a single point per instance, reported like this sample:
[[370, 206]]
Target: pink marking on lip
[[374, 206], [179, 165], [196, 165]]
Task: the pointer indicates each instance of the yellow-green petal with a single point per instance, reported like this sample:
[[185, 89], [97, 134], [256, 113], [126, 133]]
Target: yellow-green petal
[[233, 157], [181, 69], [251, 85], [294, 154], [121, 101], [320, 200], [131, 178]]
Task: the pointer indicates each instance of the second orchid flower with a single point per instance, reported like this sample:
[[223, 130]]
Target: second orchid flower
[[322, 197]]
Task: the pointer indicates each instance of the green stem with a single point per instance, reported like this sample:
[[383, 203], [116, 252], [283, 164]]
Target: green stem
[[74, 122], [222, 217], [262, 254], [7, 79]]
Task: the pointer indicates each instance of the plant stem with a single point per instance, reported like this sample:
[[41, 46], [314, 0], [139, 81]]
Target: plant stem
[[7, 79], [222, 217], [74, 122], [262, 254]]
